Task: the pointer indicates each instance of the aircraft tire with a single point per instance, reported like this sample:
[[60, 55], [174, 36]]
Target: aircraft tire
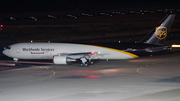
[[86, 64], [81, 64], [92, 62]]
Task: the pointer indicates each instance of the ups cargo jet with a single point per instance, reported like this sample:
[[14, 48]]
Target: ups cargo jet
[[62, 53]]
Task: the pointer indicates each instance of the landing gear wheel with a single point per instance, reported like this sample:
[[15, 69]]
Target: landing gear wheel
[[85, 65], [81, 64], [91, 63], [17, 64]]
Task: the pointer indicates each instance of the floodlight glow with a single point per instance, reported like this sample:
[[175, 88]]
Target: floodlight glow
[[175, 46]]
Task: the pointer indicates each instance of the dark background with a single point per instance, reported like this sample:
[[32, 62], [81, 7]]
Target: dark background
[[92, 5], [72, 20]]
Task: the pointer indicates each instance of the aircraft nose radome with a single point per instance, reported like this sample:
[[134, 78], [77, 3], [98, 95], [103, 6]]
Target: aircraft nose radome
[[4, 52]]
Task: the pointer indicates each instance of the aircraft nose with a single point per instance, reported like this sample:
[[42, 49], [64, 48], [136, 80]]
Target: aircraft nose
[[5, 52]]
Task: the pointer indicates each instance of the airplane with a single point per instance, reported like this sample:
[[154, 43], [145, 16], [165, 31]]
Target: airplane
[[62, 53]]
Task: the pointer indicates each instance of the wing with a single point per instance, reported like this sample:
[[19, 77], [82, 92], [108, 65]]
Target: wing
[[63, 58]]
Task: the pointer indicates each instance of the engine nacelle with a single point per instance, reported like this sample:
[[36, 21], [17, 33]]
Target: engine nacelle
[[60, 60]]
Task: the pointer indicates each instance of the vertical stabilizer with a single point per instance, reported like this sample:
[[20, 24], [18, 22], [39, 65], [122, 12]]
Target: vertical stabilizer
[[159, 34]]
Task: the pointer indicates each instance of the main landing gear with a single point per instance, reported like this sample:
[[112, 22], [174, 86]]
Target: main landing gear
[[86, 62]]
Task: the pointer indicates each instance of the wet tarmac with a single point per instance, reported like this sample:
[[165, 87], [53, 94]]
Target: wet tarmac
[[154, 78]]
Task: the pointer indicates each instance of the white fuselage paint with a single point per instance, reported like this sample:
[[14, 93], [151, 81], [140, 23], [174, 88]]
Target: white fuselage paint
[[48, 50]]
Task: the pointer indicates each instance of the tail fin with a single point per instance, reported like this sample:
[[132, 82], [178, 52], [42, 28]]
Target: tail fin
[[159, 34]]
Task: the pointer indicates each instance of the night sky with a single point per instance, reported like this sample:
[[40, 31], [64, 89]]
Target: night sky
[[8, 6], [64, 20]]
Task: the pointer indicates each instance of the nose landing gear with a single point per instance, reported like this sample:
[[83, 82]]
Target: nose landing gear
[[15, 61]]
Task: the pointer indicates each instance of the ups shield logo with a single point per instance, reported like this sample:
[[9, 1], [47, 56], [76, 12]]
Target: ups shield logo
[[161, 32]]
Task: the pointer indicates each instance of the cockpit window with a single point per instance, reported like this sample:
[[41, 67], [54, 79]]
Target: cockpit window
[[7, 48]]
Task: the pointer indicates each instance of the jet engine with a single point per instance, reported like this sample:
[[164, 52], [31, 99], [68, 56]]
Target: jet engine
[[60, 59]]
